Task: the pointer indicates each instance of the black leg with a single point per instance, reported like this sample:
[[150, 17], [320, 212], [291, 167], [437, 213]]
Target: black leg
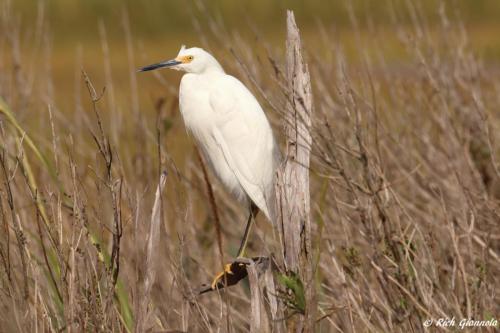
[[253, 213]]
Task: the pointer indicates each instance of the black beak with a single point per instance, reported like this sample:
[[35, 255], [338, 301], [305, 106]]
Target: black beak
[[169, 63]]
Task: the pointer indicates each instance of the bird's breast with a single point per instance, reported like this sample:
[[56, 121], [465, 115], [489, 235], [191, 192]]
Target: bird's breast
[[194, 104], [199, 119]]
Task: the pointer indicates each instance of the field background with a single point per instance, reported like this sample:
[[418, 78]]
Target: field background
[[437, 156]]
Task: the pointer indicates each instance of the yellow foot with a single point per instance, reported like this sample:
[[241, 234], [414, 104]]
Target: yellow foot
[[232, 273], [220, 276]]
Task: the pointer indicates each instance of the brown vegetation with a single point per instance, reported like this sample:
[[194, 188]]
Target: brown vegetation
[[404, 185]]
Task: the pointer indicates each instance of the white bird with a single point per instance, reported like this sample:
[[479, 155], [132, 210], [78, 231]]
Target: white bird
[[231, 130]]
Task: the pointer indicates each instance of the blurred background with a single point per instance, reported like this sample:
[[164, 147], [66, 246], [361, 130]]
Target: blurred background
[[157, 29]]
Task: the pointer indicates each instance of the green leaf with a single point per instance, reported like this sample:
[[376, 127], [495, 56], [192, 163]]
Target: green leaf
[[294, 284]]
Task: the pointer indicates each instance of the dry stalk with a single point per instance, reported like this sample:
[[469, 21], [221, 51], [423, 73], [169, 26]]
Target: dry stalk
[[151, 261]]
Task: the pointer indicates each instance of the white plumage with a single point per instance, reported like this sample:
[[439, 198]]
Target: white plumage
[[229, 127]]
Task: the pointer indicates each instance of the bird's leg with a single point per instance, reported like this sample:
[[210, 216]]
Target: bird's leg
[[241, 252], [253, 213], [221, 275]]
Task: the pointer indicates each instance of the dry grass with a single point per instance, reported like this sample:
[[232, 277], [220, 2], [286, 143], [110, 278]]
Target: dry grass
[[405, 189]]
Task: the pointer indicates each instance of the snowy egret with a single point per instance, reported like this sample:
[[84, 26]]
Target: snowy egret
[[231, 130]]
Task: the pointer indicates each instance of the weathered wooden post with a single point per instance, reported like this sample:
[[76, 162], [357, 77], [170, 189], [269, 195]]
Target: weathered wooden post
[[293, 197]]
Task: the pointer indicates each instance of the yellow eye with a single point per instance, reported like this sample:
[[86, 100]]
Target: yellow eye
[[190, 58]]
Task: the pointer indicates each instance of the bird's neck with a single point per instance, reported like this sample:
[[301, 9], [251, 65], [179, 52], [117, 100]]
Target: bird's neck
[[213, 68]]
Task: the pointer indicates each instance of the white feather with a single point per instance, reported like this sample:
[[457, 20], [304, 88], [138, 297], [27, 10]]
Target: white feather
[[230, 128]]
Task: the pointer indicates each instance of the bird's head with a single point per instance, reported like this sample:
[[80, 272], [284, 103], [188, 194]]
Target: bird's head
[[192, 60]]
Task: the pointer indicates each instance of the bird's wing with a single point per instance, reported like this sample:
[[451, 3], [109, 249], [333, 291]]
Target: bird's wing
[[245, 138]]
